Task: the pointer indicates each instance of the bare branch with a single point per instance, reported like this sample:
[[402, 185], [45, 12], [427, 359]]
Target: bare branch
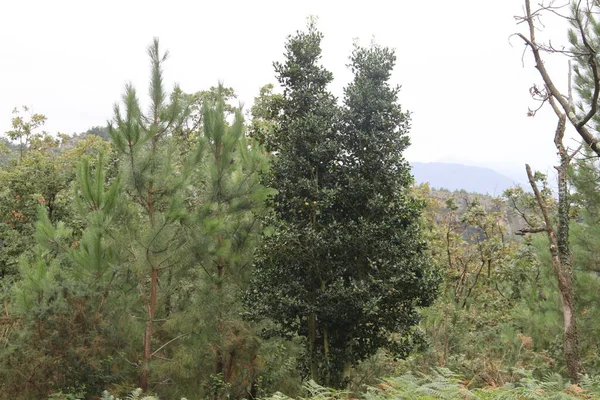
[[574, 153], [553, 91], [524, 231], [168, 343], [540, 200]]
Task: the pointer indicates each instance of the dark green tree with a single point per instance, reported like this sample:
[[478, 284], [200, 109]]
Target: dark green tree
[[384, 265], [345, 266], [293, 266]]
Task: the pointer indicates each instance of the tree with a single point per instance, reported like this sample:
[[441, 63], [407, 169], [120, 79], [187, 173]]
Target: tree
[[24, 130], [292, 266], [64, 311], [192, 128], [346, 246], [558, 240], [475, 323], [153, 184], [223, 226], [100, 131], [384, 258], [584, 172], [265, 113], [42, 175], [584, 51]]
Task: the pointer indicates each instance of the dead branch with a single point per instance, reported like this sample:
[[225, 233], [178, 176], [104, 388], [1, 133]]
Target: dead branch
[[540, 200], [524, 231], [553, 92]]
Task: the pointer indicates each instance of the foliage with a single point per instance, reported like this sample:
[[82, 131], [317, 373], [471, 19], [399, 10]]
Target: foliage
[[164, 256], [137, 394], [61, 308], [346, 246], [24, 129], [42, 176], [265, 112], [223, 229], [444, 384], [302, 172]]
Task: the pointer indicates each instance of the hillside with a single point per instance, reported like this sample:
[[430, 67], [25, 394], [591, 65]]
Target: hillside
[[461, 177], [491, 204]]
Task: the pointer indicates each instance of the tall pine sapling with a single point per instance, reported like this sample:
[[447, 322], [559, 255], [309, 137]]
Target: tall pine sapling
[[224, 205], [153, 182]]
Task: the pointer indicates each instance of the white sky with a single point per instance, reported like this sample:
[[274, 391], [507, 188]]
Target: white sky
[[460, 77]]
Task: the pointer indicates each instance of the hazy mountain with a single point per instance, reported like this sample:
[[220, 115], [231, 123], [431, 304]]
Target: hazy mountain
[[461, 177]]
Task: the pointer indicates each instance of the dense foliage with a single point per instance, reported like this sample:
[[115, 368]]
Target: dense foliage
[[346, 247], [192, 253]]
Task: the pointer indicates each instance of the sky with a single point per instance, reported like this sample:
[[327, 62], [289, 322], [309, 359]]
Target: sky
[[464, 79]]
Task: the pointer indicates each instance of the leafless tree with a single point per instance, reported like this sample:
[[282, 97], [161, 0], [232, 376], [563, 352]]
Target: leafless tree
[[584, 52]]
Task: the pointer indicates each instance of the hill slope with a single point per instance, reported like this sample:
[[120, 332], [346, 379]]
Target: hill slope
[[461, 177]]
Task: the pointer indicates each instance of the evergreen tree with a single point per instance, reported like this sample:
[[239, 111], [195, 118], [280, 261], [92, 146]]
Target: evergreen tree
[[224, 228], [293, 265], [151, 238], [346, 247], [65, 301], [383, 263], [42, 176]]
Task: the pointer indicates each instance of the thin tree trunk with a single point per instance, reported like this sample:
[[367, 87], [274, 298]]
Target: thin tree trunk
[[220, 356], [312, 341], [145, 373], [565, 273], [561, 252], [151, 307]]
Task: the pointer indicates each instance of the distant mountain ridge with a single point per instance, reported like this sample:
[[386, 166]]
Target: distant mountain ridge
[[461, 177]]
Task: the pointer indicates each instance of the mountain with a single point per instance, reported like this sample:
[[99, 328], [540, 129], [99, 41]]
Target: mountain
[[461, 177]]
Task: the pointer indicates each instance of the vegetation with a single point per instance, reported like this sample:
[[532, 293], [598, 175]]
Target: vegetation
[[185, 252], [346, 246]]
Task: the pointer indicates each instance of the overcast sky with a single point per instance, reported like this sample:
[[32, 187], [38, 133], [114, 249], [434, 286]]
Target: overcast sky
[[463, 81]]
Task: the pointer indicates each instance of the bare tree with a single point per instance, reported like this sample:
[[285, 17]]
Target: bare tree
[[558, 238], [584, 52]]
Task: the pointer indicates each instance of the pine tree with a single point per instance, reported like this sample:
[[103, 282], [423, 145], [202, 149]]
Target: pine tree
[[153, 185], [65, 300], [223, 227]]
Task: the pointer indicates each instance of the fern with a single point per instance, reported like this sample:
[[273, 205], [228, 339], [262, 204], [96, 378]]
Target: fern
[[442, 384], [135, 395], [315, 392]]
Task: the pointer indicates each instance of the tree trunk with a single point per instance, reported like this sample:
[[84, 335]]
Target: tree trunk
[[346, 373], [560, 250], [326, 353], [564, 271], [220, 355], [145, 372], [312, 342]]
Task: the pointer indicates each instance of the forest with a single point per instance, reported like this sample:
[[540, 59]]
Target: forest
[[193, 249]]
